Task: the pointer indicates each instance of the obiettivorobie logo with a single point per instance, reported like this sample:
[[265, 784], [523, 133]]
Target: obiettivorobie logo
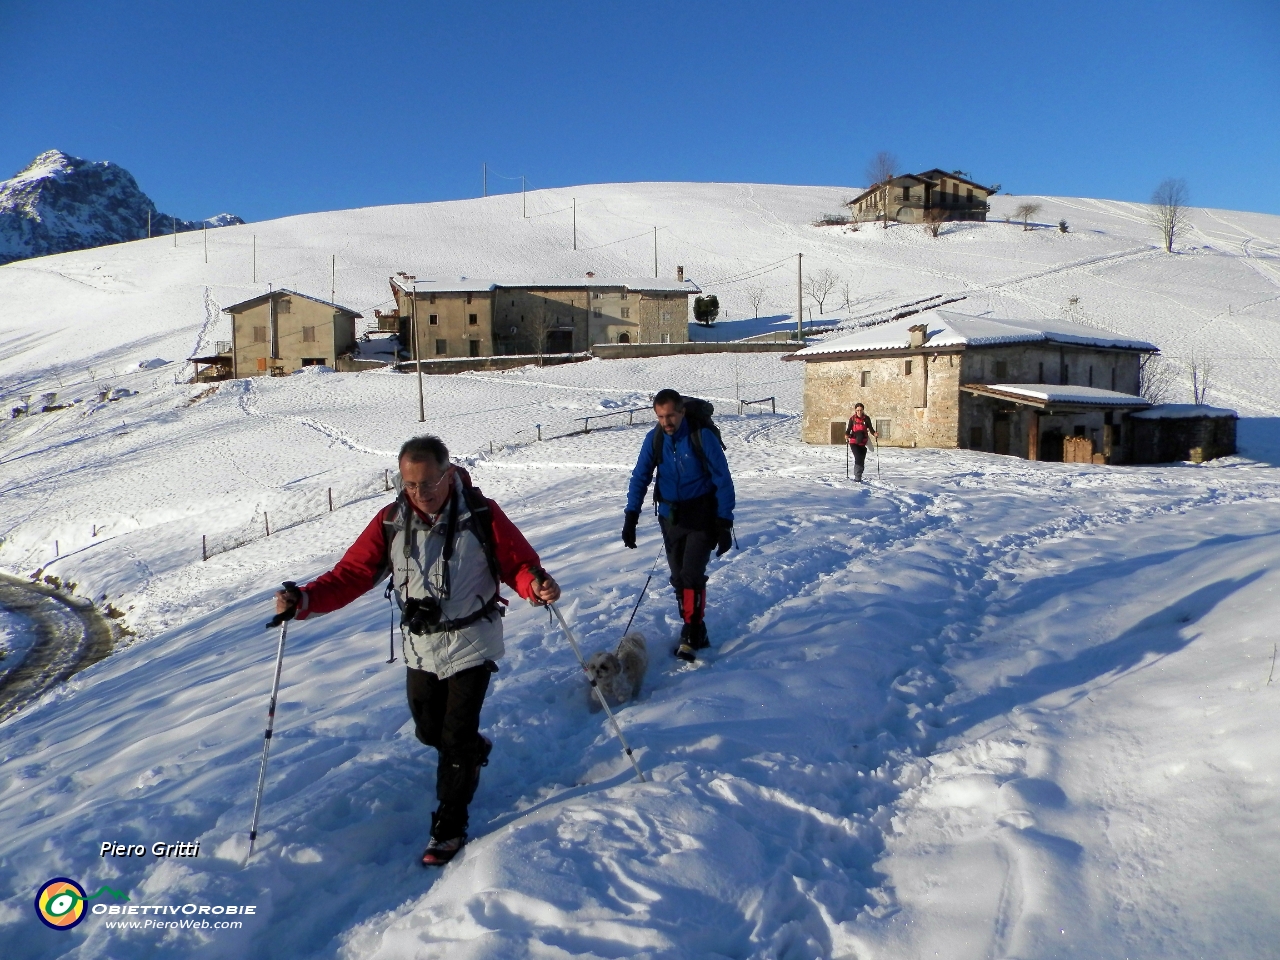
[[60, 902]]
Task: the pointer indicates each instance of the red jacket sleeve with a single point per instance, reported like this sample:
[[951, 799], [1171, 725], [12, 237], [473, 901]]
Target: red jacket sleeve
[[360, 568], [516, 558]]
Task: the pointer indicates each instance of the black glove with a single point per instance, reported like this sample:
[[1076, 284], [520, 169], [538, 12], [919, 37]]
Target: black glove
[[629, 528], [725, 540], [293, 597]]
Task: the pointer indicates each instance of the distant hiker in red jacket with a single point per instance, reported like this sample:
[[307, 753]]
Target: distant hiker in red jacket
[[446, 548], [856, 432]]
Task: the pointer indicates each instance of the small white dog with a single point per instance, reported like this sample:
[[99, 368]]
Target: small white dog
[[619, 675]]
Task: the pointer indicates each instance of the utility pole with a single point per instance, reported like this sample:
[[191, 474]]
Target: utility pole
[[524, 210], [205, 231], [148, 224], [417, 353], [484, 179], [575, 223], [800, 297], [655, 253], [174, 221], [255, 258], [333, 275]]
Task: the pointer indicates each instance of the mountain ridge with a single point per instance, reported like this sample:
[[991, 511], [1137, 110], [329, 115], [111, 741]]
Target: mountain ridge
[[59, 203]]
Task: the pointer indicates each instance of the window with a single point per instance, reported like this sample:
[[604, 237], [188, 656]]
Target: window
[[595, 296], [475, 348], [595, 313], [975, 438], [969, 196], [442, 347], [259, 334], [906, 369], [666, 338], [283, 306], [906, 194], [882, 428], [314, 361], [513, 303], [624, 294], [866, 378], [624, 338], [434, 319], [1002, 369], [626, 313], [308, 334], [472, 320], [262, 364]]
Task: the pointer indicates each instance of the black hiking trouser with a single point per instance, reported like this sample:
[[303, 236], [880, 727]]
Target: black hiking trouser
[[859, 458], [446, 715], [688, 551]]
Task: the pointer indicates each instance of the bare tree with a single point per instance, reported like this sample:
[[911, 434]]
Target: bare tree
[[934, 218], [755, 297], [818, 286], [880, 170], [1200, 369], [1156, 378], [1025, 211], [1169, 211]]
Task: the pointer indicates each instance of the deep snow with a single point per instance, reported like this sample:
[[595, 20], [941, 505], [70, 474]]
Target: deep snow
[[975, 708]]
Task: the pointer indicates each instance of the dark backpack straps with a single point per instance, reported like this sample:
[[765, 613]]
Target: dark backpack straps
[[482, 523]]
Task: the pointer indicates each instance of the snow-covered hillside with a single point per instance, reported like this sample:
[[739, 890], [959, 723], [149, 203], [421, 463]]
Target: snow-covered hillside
[[66, 318], [975, 708]]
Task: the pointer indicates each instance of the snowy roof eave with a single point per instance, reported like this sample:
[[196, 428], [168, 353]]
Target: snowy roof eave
[[285, 291], [1045, 396], [1184, 411]]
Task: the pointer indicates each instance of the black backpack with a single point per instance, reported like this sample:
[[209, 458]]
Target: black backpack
[[698, 413]]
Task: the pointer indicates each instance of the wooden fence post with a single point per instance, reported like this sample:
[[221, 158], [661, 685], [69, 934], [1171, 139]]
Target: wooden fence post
[[386, 479], [204, 547], [56, 551], [267, 521], [539, 431], [331, 499]]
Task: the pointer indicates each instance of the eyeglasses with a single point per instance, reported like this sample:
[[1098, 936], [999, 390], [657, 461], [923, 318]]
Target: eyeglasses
[[426, 486]]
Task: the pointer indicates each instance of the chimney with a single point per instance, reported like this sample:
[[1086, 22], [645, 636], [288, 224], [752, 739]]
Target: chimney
[[680, 274], [919, 333], [591, 273]]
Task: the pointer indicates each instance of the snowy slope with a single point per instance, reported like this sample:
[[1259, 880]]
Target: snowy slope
[[975, 708], [70, 317]]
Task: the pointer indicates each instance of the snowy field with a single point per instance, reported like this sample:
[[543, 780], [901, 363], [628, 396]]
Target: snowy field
[[975, 708]]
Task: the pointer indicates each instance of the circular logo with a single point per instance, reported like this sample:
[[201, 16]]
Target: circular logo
[[60, 903]]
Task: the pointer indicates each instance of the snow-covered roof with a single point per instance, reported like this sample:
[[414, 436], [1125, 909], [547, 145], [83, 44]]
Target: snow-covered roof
[[285, 291], [947, 329], [1183, 411], [467, 285], [1048, 395]]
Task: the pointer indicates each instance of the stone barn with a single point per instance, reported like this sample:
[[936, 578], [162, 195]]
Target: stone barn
[[1037, 389], [1183, 431]]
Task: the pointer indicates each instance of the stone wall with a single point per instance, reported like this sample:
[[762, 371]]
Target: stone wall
[[618, 351]]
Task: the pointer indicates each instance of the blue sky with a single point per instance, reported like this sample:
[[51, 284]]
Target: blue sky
[[267, 109]]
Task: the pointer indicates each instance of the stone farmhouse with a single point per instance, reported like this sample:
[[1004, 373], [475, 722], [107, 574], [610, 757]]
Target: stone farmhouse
[[481, 318], [276, 333], [1037, 389], [914, 197]]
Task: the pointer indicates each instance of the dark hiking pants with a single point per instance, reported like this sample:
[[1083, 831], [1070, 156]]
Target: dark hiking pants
[[859, 458], [446, 715], [687, 554]]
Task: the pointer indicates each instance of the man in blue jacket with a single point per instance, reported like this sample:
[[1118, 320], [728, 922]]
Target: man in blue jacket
[[695, 499]]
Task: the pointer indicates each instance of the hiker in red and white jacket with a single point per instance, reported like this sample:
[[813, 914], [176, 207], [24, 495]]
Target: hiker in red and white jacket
[[856, 433], [432, 541]]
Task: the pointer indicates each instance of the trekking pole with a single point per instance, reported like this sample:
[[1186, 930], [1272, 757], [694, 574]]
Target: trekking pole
[[876, 444], [599, 694], [640, 598], [282, 621], [846, 459]]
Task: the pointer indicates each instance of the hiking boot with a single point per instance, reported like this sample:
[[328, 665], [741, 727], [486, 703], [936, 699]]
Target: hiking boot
[[698, 636], [440, 852], [686, 653]]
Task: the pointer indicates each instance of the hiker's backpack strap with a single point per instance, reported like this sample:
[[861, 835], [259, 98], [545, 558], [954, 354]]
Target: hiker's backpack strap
[[482, 523]]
